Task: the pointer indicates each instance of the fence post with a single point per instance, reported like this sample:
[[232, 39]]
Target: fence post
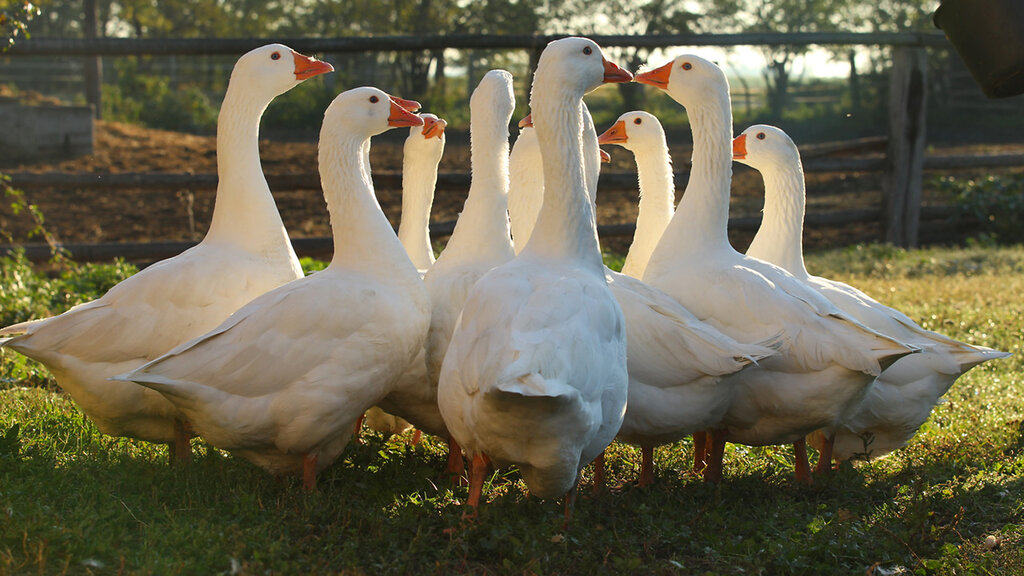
[[908, 96], [93, 64]]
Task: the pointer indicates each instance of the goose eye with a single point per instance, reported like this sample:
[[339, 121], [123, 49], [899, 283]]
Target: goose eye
[[374, 99], [275, 56], [588, 50], [638, 121], [687, 66], [760, 136]]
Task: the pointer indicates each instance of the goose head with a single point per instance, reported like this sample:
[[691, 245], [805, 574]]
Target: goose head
[[274, 69], [426, 139], [634, 131], [365, 112], [689, 80], [494, 95], [579, 65], [764, 147]]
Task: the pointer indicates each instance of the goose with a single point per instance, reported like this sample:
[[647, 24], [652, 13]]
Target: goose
[[826, 362], [902, 397], [679, 367], [282, 381], [421, 155], [535, 372], [245, 253], [641, 133]]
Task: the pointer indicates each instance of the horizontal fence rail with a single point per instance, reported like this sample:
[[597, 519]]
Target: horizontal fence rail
[[202, 46], [445, 180], [322, 247]]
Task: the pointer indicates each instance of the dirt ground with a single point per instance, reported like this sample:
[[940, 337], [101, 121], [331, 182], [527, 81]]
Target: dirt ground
[[90, 216]]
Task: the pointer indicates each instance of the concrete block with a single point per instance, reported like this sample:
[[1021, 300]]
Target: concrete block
[[29, 133]]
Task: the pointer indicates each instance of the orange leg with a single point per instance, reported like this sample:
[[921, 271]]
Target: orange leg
[[700, 451], [416, 437], [358, 428], [181, 449], [646, 466], [803, 468], [598, 474], [456, 464], [477, 472], [825, 456], [713, 472], [309, 472]]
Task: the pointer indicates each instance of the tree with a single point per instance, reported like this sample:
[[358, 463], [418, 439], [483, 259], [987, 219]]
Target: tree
[[785, 16]]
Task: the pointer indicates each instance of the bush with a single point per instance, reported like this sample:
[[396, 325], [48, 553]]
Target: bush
[[137, 97], [995, 202]]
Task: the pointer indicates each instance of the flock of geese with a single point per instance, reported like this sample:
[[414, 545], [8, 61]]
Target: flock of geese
[[517, 345]]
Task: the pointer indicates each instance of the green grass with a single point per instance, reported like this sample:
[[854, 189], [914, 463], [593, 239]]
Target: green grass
[[74, 501]]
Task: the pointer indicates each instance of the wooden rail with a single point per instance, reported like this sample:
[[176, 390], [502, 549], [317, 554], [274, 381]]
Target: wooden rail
[[323, 247], [201, 46]]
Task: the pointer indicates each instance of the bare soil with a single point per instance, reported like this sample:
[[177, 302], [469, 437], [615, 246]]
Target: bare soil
[[90, 216]]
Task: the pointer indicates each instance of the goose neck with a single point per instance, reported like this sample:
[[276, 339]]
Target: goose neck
[[702, 217], [419, 178], [657, 196], [779, 240], [363, 237], [565, 227]]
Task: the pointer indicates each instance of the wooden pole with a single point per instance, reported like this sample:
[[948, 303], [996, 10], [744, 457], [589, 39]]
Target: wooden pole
[[93, 64], [908, 97]]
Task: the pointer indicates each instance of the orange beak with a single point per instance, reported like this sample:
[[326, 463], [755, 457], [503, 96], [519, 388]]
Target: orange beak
[[614, 135], [402, 117], [433, 128], [410, 105], [739, 147], [657, 77], [614, 74], [306, 67], [526, 122], [606, 158]]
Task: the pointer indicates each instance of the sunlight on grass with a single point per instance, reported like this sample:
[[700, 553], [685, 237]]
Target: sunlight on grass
[[75, 501]]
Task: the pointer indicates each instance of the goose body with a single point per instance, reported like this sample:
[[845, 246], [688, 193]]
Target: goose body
[[283, 380], [245, 253], [902, 397], [535, 373], [826, 361]]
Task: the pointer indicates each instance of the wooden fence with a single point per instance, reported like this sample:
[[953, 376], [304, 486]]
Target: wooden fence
[[903, 163]]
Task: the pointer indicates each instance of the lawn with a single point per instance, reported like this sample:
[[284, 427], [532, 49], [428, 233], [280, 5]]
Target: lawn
[[74, 501]]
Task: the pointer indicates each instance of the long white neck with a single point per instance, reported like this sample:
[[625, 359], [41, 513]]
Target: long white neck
[[566, 227], [702, 218], [779, 240], [482, 230], [363, 237], [244, 212], [657, 195], [526, 187], [419, 177]]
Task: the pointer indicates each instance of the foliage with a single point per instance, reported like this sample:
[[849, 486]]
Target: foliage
[[995, 202], [14, 19], [77, 501], [27, 294], [151, 100]]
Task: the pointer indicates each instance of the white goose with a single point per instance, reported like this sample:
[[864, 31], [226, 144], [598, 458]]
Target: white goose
[[535, 374], [421, 155], [901, 398], [642, 134], [678, 366], [827, 361], [282, 381], [245, 253]]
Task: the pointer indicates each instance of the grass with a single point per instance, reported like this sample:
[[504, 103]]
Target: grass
[[74, 501]]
